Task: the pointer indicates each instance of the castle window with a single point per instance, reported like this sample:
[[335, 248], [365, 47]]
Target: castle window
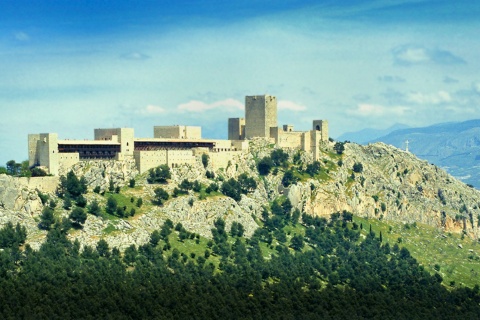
[[317, 127]]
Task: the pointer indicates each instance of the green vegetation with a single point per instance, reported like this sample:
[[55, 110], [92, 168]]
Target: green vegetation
[[12, 237], [235, 188], [46, 218], [431, 247], [319, 269], [160, 196], [22, 169], [159, 174], [339, 147], [264, 166], [358, 167], [205, 159]]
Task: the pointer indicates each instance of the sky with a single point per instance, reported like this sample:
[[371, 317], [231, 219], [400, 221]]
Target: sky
[[71, 66]]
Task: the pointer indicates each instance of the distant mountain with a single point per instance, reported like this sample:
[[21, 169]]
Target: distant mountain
[[454, 146], [366, 135]]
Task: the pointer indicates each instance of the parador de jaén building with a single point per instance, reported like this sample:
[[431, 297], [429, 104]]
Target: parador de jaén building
[[176, 145]]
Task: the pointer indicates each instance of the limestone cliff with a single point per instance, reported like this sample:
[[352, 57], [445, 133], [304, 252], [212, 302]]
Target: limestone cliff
[[393, 185]]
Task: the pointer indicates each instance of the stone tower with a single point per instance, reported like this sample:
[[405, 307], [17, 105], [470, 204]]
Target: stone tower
[[236, 128], [322, 127], [260, 115]]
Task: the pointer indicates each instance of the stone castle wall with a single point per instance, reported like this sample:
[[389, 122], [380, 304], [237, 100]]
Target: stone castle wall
[[177, 132], [66, 160], [145, 160]]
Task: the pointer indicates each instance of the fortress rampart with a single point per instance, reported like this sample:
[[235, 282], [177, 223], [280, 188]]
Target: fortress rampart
[[177, 145]]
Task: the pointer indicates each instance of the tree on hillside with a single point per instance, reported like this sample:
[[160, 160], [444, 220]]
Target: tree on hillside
[[160, 196], [289, 178], [339, 147], [264, 166], [247, 184], [111, 207], [78, 216], [159, 174], [94, 208], [205, 158], [279, 157], [46, 218], [357, 167], [231, 188], [313, 168]]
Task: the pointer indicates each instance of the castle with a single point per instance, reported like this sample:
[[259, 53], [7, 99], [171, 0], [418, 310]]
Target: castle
[[176, 145]]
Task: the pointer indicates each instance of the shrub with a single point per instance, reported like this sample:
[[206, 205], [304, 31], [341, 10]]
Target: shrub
[[111, 207], [160, 196], [78, 216], [205, 158], [159, 174], [94, 208], [339, 147], [46, 219], [313, 168], [264, 166], [279, 157], [357, 167], [289, 178], [231, 188]]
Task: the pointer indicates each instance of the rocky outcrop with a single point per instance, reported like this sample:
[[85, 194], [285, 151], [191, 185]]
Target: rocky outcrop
[[392, 185], [101, 172]]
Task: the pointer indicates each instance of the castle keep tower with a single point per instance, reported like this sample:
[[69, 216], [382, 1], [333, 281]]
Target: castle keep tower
[[260, 115]]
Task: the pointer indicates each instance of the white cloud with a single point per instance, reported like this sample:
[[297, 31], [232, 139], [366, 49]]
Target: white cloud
[[407, 55], [432, 98], [199, 106], [289, 105], [151, 109], [375, 110]]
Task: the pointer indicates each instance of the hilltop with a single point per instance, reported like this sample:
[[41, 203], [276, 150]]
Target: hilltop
[[453, 146], [375, 181]]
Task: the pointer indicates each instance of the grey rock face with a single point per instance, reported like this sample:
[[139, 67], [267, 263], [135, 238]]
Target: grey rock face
[[393, 185]]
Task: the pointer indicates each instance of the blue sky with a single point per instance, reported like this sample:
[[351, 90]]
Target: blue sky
[[72, 66]]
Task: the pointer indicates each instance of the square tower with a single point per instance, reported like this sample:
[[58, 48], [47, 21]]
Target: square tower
[[322, 126], [236, 128], [260, 115]]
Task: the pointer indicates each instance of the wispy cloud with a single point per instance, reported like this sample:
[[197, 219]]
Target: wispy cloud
[[407, 55], [476, 87], [151, 109], [376, 110], [450, 80], [289, 105], [135, 56], [199, 106], [21, 36], [429, 98], [391, 79]]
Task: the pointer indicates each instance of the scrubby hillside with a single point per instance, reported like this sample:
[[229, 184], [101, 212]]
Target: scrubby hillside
[[374, 181]]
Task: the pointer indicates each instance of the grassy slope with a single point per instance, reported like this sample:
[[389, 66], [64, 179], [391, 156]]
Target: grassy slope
[[431, 247]]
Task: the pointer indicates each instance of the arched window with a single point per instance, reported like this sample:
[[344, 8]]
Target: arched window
[[317, 127]]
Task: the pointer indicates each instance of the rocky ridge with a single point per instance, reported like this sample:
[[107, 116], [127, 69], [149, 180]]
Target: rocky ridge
[[393, 185]]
